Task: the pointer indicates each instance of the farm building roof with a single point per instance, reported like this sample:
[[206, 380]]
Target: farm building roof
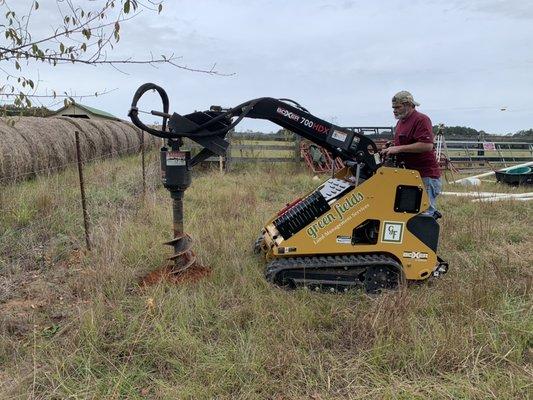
[[90, 110]]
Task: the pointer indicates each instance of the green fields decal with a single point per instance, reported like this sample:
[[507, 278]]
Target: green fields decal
[[338, 213]]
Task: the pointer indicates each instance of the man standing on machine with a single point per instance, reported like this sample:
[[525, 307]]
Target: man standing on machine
[[413, 143]]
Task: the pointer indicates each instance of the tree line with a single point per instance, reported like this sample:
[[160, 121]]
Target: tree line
[[449, 132], [467, 133]]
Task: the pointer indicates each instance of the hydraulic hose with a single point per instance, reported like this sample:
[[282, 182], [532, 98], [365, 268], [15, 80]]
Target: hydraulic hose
[[134, 111], [241, 111]]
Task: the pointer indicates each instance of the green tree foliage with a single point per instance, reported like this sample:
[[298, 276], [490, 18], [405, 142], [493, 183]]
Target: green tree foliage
[[466, 133], [524, 134], [11, 110], [457, 131]]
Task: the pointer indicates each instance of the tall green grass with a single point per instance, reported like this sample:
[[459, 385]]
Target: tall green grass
[[77, 325]]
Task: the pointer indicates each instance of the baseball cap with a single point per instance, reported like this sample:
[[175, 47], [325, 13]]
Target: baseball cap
[[404, 97]]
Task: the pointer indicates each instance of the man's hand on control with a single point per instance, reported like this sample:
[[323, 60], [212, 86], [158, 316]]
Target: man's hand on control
[[389, 151], [417, 147]]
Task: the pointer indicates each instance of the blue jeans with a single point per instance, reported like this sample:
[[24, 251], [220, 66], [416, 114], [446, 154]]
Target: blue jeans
[[433, 189]]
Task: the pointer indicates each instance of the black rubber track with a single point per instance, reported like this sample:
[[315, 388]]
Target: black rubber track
[[335, 269]]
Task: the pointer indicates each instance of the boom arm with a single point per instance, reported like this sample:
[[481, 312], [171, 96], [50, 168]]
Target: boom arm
[[208, 128]]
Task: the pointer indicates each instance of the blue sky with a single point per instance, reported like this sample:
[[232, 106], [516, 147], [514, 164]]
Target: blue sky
[[343, 60]]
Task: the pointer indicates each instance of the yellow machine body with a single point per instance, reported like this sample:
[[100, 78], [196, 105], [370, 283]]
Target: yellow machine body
[[374, 199]]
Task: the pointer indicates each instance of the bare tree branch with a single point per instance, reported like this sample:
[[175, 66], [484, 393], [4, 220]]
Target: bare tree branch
[[84, 36], [61, 96]]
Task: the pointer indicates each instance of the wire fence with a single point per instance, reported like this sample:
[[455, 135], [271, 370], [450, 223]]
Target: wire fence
[[59, 168], [45, 217], [41, 213], [110, 154]]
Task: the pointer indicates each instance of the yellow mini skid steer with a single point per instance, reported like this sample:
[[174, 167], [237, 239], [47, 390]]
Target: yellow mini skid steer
[[363, 227]]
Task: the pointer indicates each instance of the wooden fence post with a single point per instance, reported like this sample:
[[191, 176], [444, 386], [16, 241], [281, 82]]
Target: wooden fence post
[[143, 165], [228, 157], [82, 192], [297, 153]]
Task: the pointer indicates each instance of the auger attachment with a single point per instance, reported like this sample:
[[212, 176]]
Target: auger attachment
[[176, 174]]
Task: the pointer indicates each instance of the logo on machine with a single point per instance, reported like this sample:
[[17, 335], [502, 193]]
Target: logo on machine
[[415, 255], [303, 121], [341, 208], [344, 239], [288, 114], [392, 232]]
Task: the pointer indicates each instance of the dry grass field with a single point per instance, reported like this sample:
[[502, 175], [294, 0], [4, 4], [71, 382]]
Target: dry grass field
[[77, 325]]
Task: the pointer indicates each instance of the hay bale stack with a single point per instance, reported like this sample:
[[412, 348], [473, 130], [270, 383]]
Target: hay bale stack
[[92, 143], [132, 131], [113, 142], [42, 143], [36, 145], [131, 136], [15, 157]]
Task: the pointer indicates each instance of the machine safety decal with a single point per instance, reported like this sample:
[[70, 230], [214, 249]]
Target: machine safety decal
[[392, 232], [176, 158], [317, 231], [339, 135]]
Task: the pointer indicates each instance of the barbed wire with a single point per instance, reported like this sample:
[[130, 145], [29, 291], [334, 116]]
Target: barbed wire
[[32, 224], [58, 168]]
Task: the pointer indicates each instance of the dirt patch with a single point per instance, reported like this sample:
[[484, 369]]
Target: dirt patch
[[17, 316], [168, 274], [73, 260]]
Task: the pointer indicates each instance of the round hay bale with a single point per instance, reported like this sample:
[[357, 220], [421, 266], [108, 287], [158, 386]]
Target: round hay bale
[[119, 135], [133, 141], [36, 145], [54, 139], [133, 132], [15, 157], [38, 136], [154, 140], [111, 146], [92, 144], [68, 139], [149, 140]]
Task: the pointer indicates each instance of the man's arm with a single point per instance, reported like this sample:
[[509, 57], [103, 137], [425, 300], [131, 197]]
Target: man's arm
[[422, 138], [417, 147]]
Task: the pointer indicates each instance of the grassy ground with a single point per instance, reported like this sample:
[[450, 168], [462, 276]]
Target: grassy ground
[[287, 154], [252, 142], [76, 325], [256, 152]]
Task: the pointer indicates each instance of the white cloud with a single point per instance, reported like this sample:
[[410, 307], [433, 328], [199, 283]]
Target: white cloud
[[342, 59]]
